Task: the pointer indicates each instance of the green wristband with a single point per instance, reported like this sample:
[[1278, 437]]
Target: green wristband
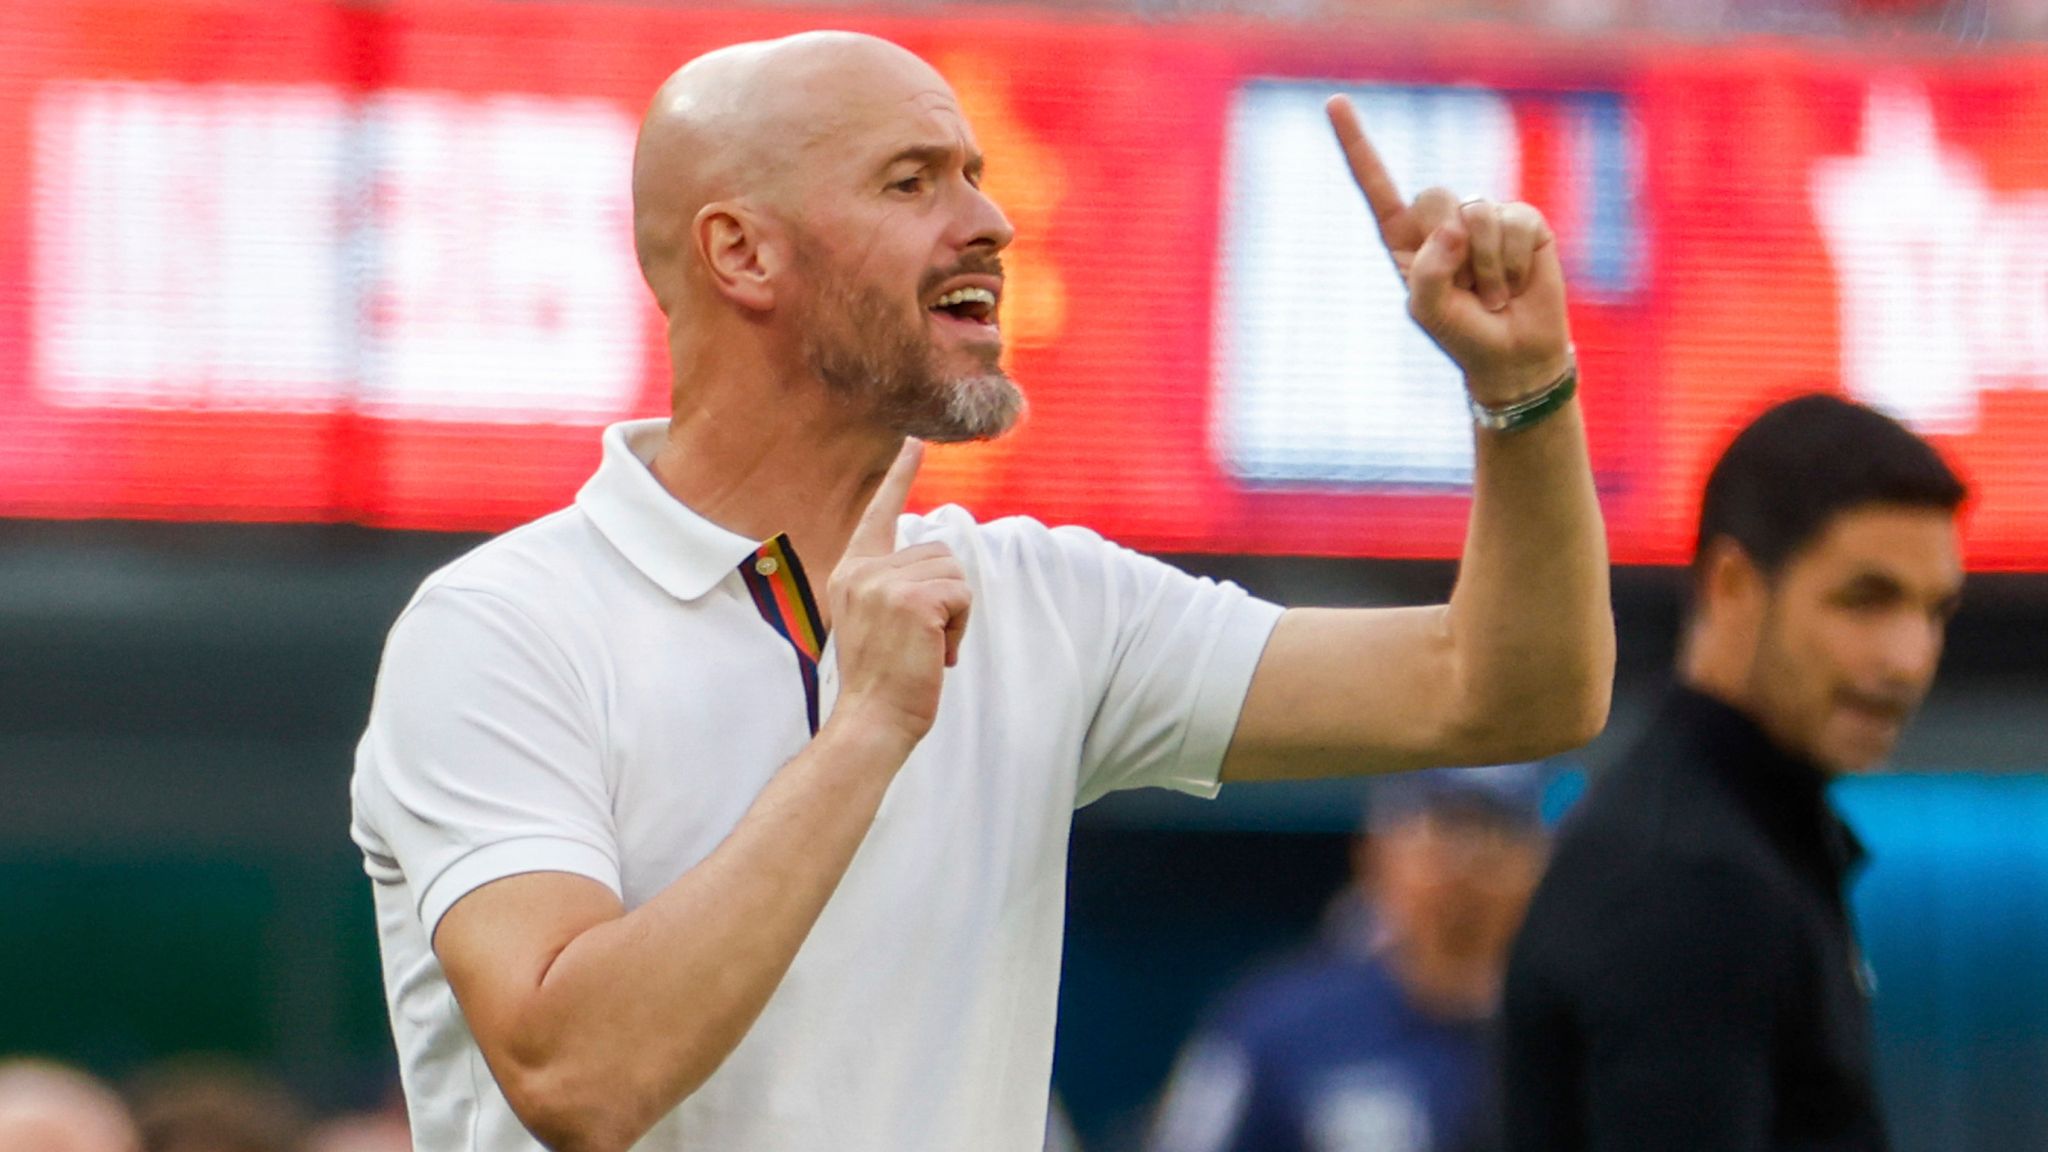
[[1532, 411]]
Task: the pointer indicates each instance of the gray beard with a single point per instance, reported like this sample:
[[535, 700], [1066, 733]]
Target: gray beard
[[871, 359]]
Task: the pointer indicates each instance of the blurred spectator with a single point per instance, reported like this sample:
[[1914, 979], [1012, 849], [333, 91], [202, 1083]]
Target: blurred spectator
[[384, 1130], [48, 1107], [207, 1104], [1378, 1040], [1059, 1129]]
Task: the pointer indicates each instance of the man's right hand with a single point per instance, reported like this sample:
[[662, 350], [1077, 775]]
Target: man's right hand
[[898, 616]]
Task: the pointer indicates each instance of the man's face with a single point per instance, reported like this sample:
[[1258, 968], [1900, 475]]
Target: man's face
[[898, 252], [1456, 884], [1852, 631]]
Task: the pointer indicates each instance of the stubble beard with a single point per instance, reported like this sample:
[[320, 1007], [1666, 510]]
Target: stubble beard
[[1777, 674], [857, 342]]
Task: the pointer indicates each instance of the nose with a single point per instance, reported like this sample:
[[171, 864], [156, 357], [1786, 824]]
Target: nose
[[986, 226], [1913, 649]]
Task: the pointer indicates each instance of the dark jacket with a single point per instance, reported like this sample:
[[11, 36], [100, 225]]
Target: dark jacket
[[1688, 978]]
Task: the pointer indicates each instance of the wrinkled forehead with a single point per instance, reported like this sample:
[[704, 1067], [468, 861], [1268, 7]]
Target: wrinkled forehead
[[861, 118]]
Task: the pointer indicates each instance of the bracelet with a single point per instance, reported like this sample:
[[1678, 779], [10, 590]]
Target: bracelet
[[1531, 411]]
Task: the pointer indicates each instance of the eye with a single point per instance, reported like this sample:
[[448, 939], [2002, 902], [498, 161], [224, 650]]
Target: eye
[[909, 185], [1863, 599]]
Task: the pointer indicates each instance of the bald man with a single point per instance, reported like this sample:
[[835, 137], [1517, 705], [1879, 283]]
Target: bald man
[[671, 852], [46, 1107]]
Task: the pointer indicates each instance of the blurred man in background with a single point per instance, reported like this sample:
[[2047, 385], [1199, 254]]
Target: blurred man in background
[[1689, 979], [49, 1107], [1379, 1039], [204, 1103], [381, 1129]]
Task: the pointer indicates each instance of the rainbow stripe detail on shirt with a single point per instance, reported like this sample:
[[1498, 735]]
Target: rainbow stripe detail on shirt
[[775, 579]]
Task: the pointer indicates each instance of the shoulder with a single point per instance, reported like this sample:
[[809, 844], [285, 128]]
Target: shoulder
[[537, 597], [1650, 828], [1659, 800], [1012, 540], [1063, 568], [1652, 847], [533, 559], [1622, 911], [549, 572], [1314, 990]]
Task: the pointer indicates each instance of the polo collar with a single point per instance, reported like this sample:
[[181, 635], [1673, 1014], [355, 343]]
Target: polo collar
[[676, 548], [1785, 794]]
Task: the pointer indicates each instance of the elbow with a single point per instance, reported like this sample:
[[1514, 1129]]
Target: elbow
[[1583, 712], [562, 1123], [1571, 712], [1558, 712], [570, 1137], [1572, 696], [1563, 727], [579, 1090], [574, 1110], [1592, 690]]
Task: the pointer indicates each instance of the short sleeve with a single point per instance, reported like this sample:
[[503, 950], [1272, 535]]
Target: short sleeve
[[1169, 655], [481, 759]]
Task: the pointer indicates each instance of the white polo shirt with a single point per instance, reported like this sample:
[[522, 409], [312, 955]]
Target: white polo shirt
[[606, 690]]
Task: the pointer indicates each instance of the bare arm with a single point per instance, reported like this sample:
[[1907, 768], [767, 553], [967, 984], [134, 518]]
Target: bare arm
[[1518, 665], [597, 1021], [1520, 662]]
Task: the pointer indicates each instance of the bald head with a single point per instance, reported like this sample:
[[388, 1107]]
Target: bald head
[[740, 123], [52, 1108]]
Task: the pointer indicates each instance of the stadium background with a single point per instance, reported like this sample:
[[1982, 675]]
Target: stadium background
[[299, 298]]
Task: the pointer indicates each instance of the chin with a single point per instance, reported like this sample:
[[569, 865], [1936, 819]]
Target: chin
[[983, 406], [1853, 757]]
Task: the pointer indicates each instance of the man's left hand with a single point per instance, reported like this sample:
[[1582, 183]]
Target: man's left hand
[[1483, 278]]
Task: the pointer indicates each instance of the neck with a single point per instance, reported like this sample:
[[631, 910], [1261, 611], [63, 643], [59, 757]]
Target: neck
[[771, 456], [1715, 664]]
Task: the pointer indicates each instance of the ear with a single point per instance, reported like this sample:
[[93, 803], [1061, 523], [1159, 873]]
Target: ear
[[742, 253], [1731, 585]]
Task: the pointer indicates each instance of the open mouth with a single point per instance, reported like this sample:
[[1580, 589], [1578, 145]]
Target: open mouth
[[972, 305]]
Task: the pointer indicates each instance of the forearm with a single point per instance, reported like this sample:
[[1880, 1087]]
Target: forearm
[[1531, 626], [636, 1013]]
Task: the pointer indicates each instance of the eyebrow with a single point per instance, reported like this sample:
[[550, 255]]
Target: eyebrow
[[1872, 580], [932, 154]]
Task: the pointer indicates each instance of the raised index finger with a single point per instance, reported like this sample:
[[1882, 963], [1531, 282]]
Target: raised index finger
[[1371, 175], [875, 535]]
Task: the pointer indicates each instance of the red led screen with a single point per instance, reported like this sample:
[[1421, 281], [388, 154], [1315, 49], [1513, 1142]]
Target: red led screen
[[306, 261]]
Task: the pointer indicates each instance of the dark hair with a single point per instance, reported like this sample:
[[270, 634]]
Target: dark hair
[[1806, 461]]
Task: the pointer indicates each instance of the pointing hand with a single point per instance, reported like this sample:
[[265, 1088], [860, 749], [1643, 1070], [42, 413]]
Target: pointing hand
[[1483, 278]]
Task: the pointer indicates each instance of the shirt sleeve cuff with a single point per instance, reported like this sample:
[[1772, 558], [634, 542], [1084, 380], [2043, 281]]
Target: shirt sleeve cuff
[[514, 857], [1226, 677]]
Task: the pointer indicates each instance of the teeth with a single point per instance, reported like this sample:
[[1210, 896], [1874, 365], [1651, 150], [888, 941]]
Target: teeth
[[965, 296]]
